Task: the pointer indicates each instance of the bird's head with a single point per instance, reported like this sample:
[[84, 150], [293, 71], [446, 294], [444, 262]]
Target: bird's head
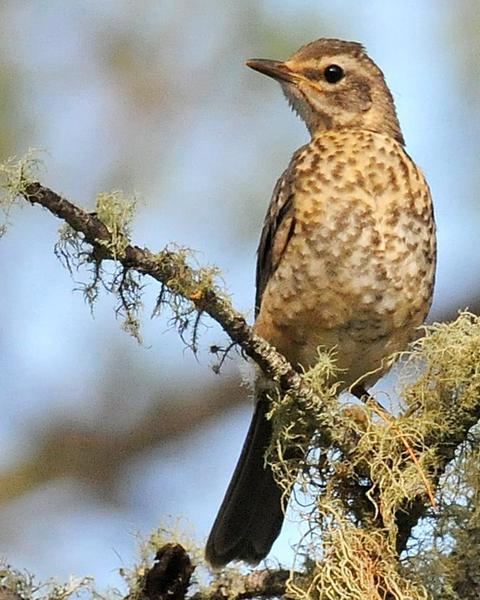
[[334, 84]]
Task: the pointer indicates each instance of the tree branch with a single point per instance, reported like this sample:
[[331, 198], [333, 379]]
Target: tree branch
[[185, 281], [169, 579], [165, 270]]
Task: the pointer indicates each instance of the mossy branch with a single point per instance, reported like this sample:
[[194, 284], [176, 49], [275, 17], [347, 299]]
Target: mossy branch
[[170, 269], [359, 470]]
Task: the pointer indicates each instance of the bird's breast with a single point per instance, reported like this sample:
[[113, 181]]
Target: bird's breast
[[358, 270]]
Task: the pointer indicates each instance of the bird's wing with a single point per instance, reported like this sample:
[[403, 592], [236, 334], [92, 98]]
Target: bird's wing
[[277, 231]]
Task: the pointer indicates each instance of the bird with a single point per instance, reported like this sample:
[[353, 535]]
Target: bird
[[346, 260]]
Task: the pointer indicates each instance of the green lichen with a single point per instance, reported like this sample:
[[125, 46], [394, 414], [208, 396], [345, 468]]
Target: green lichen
[[18, 585], [179, 532], [185, 289], [116, 212], [368, 464], [15, 174], [89, 266]]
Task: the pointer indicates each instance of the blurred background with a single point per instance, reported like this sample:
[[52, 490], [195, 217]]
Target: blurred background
[[101, 438]]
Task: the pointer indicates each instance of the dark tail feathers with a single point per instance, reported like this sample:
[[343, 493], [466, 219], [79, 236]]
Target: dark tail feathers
[[251, 515]]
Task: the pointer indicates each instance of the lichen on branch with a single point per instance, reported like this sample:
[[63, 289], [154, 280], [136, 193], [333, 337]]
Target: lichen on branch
[[363, 474], [369, 475], [183, 281], [15, 173], [80, 257]]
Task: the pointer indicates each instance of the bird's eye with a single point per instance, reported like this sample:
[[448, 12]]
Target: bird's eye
[[333, 73]]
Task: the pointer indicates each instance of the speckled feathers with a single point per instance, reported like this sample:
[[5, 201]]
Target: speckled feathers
[[357, 272], [346, 259]]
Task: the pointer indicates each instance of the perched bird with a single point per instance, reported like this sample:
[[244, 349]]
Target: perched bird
[[346, 258]]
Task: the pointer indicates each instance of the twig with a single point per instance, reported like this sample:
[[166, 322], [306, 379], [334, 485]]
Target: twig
[[219, 309], [272, 363], [257, 584]]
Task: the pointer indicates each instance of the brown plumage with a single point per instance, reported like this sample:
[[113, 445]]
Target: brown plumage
[[346, 258]]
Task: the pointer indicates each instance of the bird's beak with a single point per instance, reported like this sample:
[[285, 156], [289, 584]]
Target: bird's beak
[[273, 68]]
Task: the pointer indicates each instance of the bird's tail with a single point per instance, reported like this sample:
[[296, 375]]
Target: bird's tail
[[251, 514]]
